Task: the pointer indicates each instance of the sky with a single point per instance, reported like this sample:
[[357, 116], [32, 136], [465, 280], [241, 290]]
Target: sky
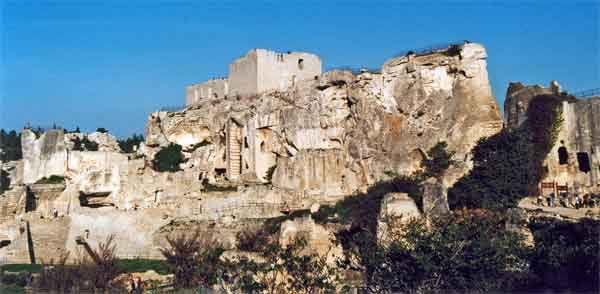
[[111, 63]]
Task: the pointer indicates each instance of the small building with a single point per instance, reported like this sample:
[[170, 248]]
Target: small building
[[259, 71]]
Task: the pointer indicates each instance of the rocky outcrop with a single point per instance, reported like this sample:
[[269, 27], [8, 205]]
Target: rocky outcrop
[[435, 198], [44, 156], [258, 157]]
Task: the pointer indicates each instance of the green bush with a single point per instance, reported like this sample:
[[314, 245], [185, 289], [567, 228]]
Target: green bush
[[101, 130], [168, 158], [84, 144], [567, 254], [53, 179], [10, 143], [4, 181], [128, 144], [438, 161], [140, 265], [465, 252]]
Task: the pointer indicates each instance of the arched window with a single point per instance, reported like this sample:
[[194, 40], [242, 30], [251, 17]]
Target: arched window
[[300, 64], [563, 155], [584, 162]]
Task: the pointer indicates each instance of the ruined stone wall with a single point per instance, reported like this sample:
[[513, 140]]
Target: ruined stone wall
[[279, 71], [212, 89], [243, 74]]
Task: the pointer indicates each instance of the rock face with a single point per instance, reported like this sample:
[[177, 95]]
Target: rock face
[[44, 156], [573, 160], [435, 198], [314, 141]]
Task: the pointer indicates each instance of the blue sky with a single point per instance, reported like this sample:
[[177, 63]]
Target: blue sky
[[110, 63]]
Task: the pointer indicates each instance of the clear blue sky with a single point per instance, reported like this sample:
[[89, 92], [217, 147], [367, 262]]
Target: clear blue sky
[[110, 63]]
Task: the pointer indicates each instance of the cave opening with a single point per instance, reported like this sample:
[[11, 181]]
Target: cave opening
[[563, 155], [583, 159]]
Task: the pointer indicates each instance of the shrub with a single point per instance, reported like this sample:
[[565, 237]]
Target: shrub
[[269, 173], [128, 144], [467, 252], [283, 270], [253, 240], [84, 144], [438, 160], [53, 179], [4, 181], [10, 144], [143, 265], [567, 254], [194, 261], [101, 130], [168, 158]]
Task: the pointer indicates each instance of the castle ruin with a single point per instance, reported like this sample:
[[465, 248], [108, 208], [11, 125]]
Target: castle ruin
[[259, 71]]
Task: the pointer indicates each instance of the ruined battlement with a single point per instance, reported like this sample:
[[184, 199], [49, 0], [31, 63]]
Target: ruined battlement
[[259, 71]]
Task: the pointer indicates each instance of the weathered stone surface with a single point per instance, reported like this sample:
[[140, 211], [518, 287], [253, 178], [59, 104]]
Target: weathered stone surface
[[44, 156], [312, 142], [435, 198]]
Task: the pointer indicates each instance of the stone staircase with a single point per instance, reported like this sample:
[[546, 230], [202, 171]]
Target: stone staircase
[[235, 158]]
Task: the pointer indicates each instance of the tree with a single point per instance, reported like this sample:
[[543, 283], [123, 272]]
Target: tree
[[168, 158], [10, 143], [101, 130]]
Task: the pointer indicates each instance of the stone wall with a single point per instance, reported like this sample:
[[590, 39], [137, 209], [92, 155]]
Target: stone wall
[[243, 74], [212, 89]]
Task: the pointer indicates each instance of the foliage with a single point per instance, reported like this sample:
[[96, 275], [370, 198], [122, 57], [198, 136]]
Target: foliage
[[438, 161], [20, 267], [101, 130], [168, 158], [194, 261], [84, 144], [20, 279], [469, 251], [84, 274], [269, 173], [142, 265], [4, 181], [128, 144], [10, 146], [508, 165], [253, 240], [567, 254], [53, 179], [283, 270]]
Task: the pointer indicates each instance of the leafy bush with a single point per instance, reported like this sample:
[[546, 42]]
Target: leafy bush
[[253, 240], [4, 181], [84, 144], [53, 179], [566, 254], [269, 173], [10, 144], [143, 265], [467, 252], [128, 144], [438, 161], [168, 158], [283, 270], [101, 130], [194, 261]]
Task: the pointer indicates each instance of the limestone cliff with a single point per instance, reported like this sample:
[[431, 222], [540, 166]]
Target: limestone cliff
[[255, 157]]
